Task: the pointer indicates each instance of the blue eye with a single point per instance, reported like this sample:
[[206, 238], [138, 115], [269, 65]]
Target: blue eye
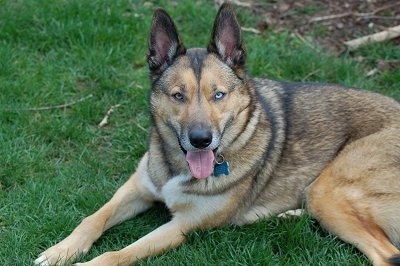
[[219, 95]]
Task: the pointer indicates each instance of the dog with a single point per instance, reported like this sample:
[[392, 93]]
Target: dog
[[225, 148]]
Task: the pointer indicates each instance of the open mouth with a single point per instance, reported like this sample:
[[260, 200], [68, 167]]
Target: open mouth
[[201, 162]]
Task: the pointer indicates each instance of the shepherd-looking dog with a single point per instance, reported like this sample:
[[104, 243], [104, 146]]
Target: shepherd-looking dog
[[225, 148]]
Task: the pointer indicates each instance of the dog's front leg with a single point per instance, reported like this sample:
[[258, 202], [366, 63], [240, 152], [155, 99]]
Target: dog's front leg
[[167, 236], [129, 200]]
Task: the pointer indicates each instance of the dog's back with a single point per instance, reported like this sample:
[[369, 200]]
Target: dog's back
[[341, 151], [311, 123]]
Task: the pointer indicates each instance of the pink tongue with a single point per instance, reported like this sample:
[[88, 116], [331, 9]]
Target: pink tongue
[[201, 163]]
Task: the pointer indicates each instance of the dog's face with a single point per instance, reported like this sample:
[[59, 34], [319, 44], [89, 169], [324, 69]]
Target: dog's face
[[198, 94]]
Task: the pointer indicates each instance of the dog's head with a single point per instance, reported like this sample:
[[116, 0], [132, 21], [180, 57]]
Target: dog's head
[[198, 95]]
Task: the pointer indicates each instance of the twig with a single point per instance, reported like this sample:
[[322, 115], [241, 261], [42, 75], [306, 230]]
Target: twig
[[310, 74], [318, 19], [383, 17], [253, 30], [141, 127], [387, 34], [348, 14], [298, 35], [370, 15], [384, 65], [62, 106], [104, 121], [234, 2], [372, 72], [384, 8]]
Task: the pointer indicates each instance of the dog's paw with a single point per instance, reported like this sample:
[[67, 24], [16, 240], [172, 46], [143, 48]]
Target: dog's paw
[[48, 260], [291, 213], [66, 251], [59, 254], [42, 261]]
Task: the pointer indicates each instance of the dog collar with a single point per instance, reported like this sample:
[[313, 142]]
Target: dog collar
[[221, 167]]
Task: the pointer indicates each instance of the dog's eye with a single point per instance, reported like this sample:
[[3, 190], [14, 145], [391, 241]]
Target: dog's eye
[[219, 95], [178, 96]]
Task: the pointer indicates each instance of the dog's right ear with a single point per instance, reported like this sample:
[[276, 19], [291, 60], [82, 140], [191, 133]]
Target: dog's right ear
[[164, 43]]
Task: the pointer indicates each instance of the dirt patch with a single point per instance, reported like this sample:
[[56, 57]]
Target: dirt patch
[[329, 23]]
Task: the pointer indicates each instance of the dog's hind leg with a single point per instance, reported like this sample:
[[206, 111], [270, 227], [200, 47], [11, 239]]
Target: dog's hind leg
[[357, 197], [129, 200]]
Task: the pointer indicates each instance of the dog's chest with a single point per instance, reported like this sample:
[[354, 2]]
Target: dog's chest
[[194, 208]]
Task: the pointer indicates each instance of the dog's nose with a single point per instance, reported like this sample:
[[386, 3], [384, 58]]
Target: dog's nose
[[200, 138]]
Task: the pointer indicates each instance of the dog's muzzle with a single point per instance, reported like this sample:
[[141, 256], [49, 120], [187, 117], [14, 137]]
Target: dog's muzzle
[[200, 138], [201, 156]]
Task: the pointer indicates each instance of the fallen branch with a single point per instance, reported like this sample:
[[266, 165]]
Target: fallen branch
[[104, 121], [387, 34]]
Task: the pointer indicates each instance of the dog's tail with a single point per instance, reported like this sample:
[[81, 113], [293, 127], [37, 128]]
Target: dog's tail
[[394, 260]]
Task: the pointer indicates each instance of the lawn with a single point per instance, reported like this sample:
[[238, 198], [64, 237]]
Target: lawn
[[64, 64]]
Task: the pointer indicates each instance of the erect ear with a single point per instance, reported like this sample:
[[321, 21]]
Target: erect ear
[[226, 39], [164, 43]]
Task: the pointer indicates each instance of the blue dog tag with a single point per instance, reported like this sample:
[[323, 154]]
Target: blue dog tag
[[221, 169]]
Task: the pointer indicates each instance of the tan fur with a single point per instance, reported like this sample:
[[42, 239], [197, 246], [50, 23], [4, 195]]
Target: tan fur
[[336, 148], [363, 184]]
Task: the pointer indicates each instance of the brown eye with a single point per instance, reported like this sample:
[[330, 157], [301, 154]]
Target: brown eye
[[178, 96]]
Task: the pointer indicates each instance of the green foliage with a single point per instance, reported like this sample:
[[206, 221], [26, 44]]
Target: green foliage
[[57, 165]]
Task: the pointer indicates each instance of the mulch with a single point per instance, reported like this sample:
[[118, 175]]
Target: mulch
[[329, 23]]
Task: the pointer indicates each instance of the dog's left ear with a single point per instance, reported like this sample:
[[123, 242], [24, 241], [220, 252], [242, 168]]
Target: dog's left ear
[[226, 39], [164, 43]]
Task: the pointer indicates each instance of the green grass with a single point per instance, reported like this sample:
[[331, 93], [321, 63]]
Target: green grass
[[57, 166]]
